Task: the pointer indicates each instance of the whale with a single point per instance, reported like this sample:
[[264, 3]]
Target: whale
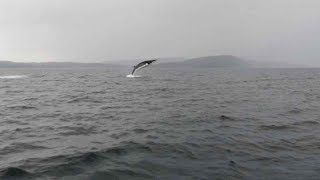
[[142, 65]]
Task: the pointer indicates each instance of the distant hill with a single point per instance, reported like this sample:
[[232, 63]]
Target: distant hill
[[225, 61], [222, 61], [133, 62], [9, 64]]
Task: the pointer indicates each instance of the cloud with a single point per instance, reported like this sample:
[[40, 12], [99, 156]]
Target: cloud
[[83, 30]]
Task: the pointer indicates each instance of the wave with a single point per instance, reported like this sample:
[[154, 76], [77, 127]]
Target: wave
[[13, 77], [310, 123], [19, 147], [74, 164], [275, 127], [21, 107], [226, 118], [116, 161], [84, 99], [295, 111], [74, 130], [14, 173], [121, 174]]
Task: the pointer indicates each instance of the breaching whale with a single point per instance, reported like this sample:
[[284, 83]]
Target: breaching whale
[[142, 65]]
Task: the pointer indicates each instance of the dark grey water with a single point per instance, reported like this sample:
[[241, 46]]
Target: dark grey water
[[167, 124]]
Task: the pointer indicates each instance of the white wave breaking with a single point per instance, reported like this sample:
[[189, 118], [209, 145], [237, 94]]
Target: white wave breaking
[[13, 77]]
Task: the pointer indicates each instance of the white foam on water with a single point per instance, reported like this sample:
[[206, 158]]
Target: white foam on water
[[132, 76], [13, 77]]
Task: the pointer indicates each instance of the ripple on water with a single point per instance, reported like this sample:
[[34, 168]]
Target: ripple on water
[[173, 124], [21, 107], [276, 127], [20, 147]]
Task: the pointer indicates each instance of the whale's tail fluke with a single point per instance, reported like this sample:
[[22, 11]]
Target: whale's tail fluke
[[142, 65]]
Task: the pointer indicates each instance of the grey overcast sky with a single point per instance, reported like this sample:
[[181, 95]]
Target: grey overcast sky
[[102, 30]]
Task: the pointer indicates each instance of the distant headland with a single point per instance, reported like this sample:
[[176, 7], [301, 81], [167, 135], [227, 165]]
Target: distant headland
[[220, 61]]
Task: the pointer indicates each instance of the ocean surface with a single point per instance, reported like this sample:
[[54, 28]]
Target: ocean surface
[[168, 123]]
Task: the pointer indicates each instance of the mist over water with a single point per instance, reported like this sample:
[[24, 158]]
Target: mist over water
[[170, 123]]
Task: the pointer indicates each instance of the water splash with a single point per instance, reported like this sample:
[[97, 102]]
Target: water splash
[[13, 77], [132, 76]]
